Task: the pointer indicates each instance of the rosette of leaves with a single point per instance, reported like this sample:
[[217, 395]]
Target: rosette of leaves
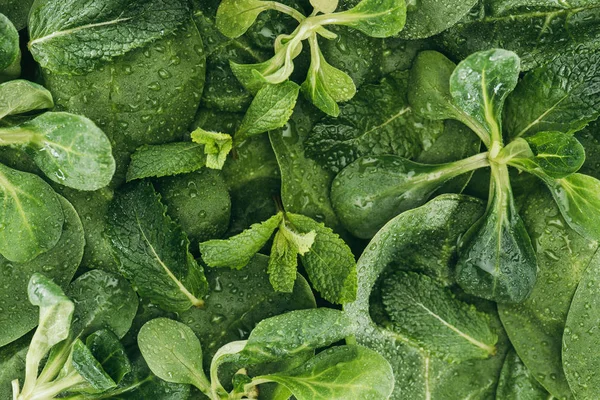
[[496, 257], [325, 86]]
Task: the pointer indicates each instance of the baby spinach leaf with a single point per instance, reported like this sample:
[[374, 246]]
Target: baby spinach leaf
[[563, 96], [283, 263], [285, 335], [377, 121], [536, 326], [580, 360], [216, 146], [21, 96], [517, 383], [110, 353], [32, 217], [152, 250], [426, 312], [339, 372], [375, 18], [16, 11], [90, 368], [10, 53], [237, 251], [329, 262], [92, 35], [429, 17], [234, 17], [70, 150], [58, 264], [173, 352], [165, 160], [270, 109], [372, 190], [479, 86]]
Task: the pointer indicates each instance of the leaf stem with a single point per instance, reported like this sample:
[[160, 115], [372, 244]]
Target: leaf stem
[[15, 135]]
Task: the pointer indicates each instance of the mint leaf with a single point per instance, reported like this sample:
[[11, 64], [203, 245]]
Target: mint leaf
[[283, 263], [165, 160], [216, 146]]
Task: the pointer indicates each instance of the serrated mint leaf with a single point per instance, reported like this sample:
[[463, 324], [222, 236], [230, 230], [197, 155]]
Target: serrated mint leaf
[[165, 160], [237, 251], [216, 146], [99, 31], [271, 109], [375, 18], [234, 17], [329, 262], [428, 313], [152, 250], [283, 263], [21, 96]]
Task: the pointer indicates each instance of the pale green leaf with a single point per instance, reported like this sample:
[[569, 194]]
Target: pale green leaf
[[234, 17], [376, 18], [324, 6], [216, 146], [20, 96]]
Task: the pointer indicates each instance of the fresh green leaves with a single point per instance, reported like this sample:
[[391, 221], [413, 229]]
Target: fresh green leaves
[[20, 96], [426, 18], [216, 146], [375, 18], [10, 53], [165, 160], [516, 381], [234, 17], [152, 250], [92, 35]]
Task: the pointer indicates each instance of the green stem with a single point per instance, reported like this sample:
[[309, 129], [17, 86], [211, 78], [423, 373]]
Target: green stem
[[55, 362], [217, 391], [15, 135], [298, 16], [51, 390]]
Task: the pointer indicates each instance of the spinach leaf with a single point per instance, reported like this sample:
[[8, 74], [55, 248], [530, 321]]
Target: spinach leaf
[[216, 146], [427, 313], [152, 250], [375, 18], [21, 96], [89, 368], [329, 262], [339, 372], [517, 383], [427, 18], [16, 11], [324, 6], [32, 217], [165, 160], [536, 326], [237, 251], [563, 96], [234, 17], [95, 34], [108, 350], [377, 121], [10, 53], [58, 264]]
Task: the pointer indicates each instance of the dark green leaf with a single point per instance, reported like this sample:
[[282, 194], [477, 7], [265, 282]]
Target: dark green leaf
[[32, 217], [16, 11], [20, 96], [152, 250], [376, 18], [234, 17], [517, 383], [12, 364], [562, 96], [344, 372], [426, 18], [329, 262], [165, 160], [237, 251], [9, 43], [90, 368], [106, 348], [97, 32], [429, 314]]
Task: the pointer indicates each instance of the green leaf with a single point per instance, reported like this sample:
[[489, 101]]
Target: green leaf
[[496, 257], [375, 18], [426, 312], [110, 353], [92, 35], [165, 160], [12, 364], [557, 154], [288, 334], [426, 18], [373, 190], [343, 372], [324, 6], [234, 17], [283, 263], [270, 109], [216, 146], [32, 217], [58, 264], [9, 43], [90, 368], [237, 251], [377, 121], [536, 326], [517, 383], [173, 352], [479, 86], [561, 96], [152, 250], [20, 96], [70, 149], [329, 262]]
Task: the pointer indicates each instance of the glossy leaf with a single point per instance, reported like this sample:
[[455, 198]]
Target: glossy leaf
[[10, 53], [324, 6], [376, 18], [234, 17], [110, 353], [165, 160], [426, 18], [329, 262], [152, 250], [429, 314], [517, 383], [216, 146], [237, 251], [20, 96], [562, 96], [270, 109], [339, 373], [90, 368], [32, 217], [173, 352], [92, 35]]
